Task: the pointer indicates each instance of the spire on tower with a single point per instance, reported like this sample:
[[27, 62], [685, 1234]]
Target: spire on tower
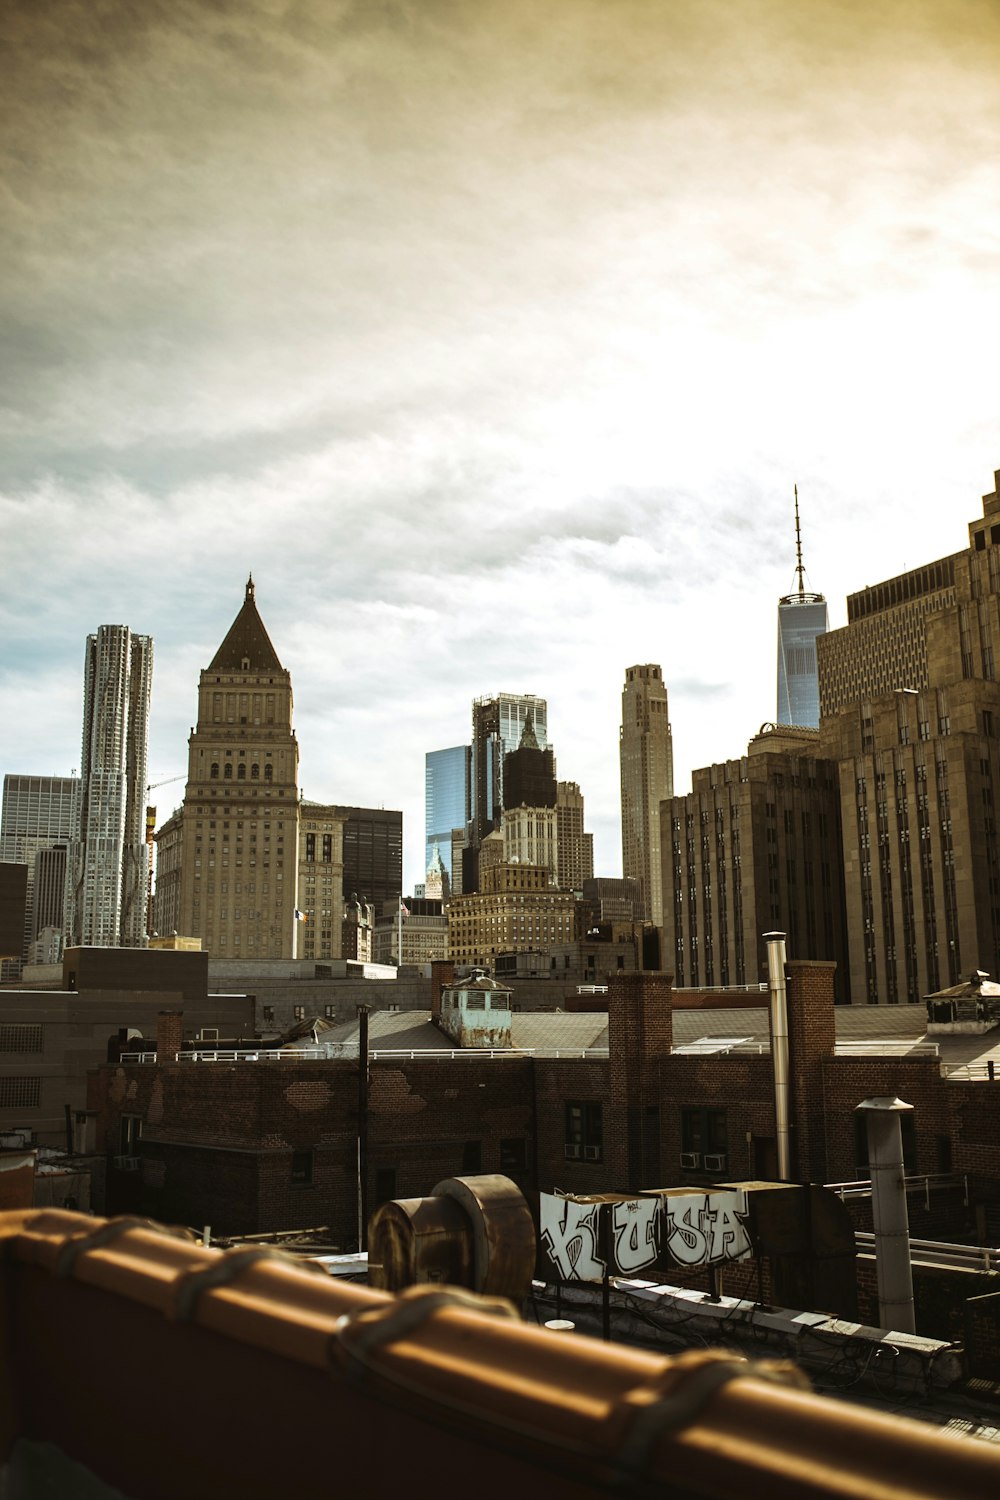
[[800, 570], [250, 589]]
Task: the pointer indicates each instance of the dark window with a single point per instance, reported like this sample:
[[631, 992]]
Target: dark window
[[385, 1184], [584, 1131], [268, 1012], [302, 1168], [299, 1012], [704, 1140], [129, 1132], [327, 848], [472, 1156], [513, 1155]]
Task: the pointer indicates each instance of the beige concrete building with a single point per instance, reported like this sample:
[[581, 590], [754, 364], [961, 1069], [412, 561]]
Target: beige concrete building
[[239, 824], [529, 838], [517, 910], [911, 714], [647, 779], [574, 847], [754, 847], [319, 927]]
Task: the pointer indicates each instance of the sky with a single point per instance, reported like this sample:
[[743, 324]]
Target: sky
[[491, 337]]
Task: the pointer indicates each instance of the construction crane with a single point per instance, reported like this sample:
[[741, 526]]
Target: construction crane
[[150, 829]]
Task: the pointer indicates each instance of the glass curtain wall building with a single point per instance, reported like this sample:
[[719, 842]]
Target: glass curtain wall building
[[497, 726], [39, 813], [446, 800], [802, 617]]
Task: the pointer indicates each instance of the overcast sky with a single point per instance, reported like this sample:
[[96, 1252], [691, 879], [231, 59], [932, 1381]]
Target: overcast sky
[[491, 336]]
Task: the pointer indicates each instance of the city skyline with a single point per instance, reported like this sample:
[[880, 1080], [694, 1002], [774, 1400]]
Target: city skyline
[[498, 380]]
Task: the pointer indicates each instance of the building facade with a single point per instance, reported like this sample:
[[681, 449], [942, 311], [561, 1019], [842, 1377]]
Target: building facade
[[38, 814], [320, 909], [373, 854], [911, 715], [446, 799], [754, 847], [108, 863], [240, 819], [574, 847], [530, 838], [517, 910], [647, 779]]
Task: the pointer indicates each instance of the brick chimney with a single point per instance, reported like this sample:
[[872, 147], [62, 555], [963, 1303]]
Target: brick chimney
[[442, 974], [812, 1036], [169, 1034], [640, 1034]]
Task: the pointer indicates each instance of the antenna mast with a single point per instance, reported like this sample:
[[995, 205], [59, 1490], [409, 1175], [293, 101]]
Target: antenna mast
[[798, 546]]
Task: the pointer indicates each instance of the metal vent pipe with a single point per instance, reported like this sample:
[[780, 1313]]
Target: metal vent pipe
[[778, 999], [890, 1220]]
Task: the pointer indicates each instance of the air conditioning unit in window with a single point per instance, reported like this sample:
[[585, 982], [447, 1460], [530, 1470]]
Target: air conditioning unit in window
[[127, 1163], [716, 1163], [690, 1159], [592, 1153], [572, 1152]]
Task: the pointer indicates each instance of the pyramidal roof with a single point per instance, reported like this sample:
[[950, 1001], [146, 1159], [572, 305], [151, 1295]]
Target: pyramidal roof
[[247, 646]]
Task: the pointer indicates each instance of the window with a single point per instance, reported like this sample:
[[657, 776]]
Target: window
[[129, 1133], [302, 1168], [299, 1012], [385, 1184], [268, 1012], [20, 1093], [20, 1038], [704, 1140], [584, 1131], [472, 1156], [513, 1155]]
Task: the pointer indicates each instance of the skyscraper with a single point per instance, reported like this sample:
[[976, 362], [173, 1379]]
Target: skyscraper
[[647, 779], [240, 819], [497, 727], [802, 616], [39, 813], [108, 861], [446, 800], [575, 848]]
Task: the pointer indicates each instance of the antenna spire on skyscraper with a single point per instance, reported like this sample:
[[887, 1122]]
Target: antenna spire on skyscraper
[[800, 570]]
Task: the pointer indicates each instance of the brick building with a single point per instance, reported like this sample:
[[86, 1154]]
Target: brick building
[[658, 1090]]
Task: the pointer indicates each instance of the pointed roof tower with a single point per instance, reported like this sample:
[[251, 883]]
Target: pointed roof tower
[[247, 647], [529, 739]]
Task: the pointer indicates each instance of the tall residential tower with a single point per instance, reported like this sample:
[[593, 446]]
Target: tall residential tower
[[108, 862], [647, 773]]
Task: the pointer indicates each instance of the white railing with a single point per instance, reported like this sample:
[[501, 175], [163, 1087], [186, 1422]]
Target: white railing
[[942, 1254], [920, 1184], [722, 989], [974, 1072], [889, 1048], [706, 1049], [349, 1050]]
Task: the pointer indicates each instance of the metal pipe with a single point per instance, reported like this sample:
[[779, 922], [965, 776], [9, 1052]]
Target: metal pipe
[[889, 1216], [778, 1004], [363, 1014]]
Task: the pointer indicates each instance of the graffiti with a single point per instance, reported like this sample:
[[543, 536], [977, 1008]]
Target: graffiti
[[569, 1236], [704, 1228], [634, 1226], [633, 1235]]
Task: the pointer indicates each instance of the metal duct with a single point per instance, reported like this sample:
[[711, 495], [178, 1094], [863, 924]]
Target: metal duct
[[779, 1049], [889, 1216]]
